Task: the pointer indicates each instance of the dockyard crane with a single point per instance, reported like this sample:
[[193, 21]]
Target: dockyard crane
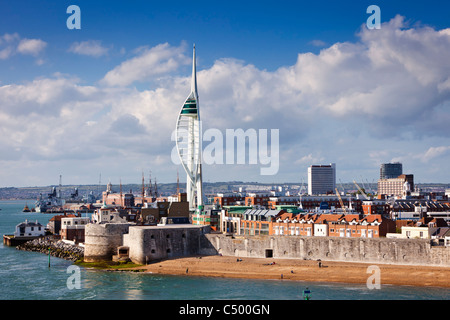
[[302, 187], [340, 201], [343, 190], [361, 190]]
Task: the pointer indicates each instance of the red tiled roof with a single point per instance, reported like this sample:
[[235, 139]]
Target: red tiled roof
[[372, 217], [351, 217]]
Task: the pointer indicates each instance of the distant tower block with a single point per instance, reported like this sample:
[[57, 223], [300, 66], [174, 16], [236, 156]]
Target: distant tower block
[[391, 170], [188, 133]]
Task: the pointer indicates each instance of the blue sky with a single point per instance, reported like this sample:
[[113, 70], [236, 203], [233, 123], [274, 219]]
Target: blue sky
[[104, 99]]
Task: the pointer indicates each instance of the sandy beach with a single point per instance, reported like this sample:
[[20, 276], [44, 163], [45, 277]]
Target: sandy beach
[[304, 270]]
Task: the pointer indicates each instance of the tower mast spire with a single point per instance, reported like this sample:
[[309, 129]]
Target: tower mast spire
[[188, 133], [194, 75]]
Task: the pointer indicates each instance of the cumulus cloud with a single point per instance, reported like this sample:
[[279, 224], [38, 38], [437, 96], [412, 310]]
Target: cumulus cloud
[[345, 104], [310, 159], [434, 152], [10, 44], [148, 62], [31, 46], [92, 48]]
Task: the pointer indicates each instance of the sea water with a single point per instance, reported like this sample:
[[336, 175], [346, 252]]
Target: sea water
[[26, 276]]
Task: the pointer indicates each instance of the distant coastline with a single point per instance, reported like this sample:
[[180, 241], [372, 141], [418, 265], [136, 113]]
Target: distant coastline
[[27, 193]]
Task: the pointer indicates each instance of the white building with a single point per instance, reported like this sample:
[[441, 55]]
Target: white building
[[417, 232], [107, 215], [229, 223], [74, 222], [72, 228], [321, 229], [321, 179], [29, 229]]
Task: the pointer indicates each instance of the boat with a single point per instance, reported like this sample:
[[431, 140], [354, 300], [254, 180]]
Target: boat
[[26, 209], [53, 200]]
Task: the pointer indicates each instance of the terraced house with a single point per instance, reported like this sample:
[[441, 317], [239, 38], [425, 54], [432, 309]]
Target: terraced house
[[280, 222]]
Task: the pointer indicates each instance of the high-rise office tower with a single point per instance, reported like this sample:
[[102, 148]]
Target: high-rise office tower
[[390, 170], [321, 179], [188, 135]]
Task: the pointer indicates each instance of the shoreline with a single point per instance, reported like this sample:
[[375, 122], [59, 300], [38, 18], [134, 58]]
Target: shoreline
[[298, 270]]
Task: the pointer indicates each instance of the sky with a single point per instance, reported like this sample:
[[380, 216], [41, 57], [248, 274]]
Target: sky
[[101, 102]]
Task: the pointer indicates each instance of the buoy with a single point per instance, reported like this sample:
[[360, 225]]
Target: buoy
[[306, 294]]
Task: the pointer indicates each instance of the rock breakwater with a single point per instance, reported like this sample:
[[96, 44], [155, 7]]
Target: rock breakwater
[[57, 248]]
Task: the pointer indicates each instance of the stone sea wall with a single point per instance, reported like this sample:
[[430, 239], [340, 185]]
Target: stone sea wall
[[57, 248], [367, 250], [146, 244]]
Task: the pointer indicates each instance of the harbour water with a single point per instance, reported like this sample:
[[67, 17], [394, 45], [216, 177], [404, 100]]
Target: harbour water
[[27, 276]]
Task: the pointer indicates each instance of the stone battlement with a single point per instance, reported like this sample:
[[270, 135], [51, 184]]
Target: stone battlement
[[152, 243], [367, 250]]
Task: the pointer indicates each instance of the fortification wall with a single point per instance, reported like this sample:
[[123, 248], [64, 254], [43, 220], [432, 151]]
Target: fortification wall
[[102, 240], [150, 243], [368, 250]]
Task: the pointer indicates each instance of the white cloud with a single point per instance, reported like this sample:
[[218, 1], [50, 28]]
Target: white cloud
[[309, 160], [9, 37], [6, 53], [10, 44], [31, 46], [434, 152], [149, 62], [356, 104], [6, 42], [318, 43], [92, 48]]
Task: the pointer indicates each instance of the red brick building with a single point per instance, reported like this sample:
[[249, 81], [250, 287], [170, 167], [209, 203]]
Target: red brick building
[[229, 199], [333, 225]]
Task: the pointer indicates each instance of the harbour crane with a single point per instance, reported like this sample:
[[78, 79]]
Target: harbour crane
[[361, 190], [343, 190], [340, 201]]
